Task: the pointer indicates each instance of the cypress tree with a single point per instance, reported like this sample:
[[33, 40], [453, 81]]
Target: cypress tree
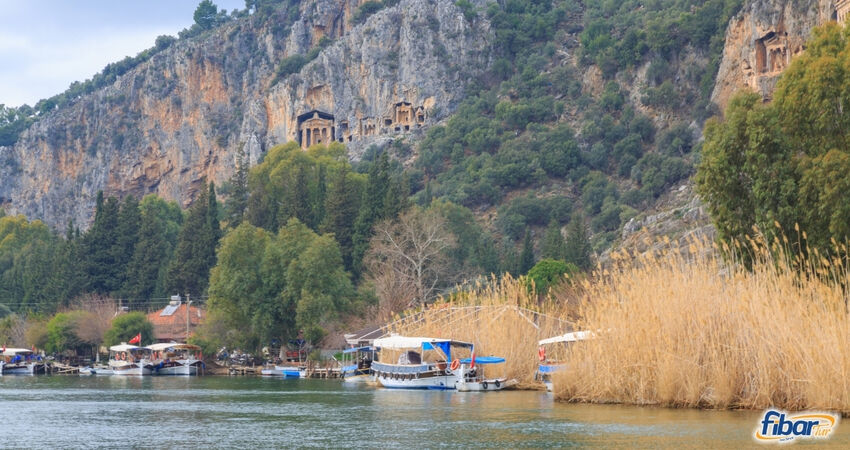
[[553, 246], [150, 255], [577, 247], [129, 219], [341, 206], [320, 194], [234, 209], [526, 258], [194, 255], [102, 272], [371, 209]]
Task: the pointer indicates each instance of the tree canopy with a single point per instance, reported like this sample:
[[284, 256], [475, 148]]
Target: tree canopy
[[781, 167]]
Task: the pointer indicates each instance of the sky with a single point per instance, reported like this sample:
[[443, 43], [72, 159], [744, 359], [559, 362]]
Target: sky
[[46, 45]]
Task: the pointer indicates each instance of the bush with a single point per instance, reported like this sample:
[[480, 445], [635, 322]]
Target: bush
[[127, 326]]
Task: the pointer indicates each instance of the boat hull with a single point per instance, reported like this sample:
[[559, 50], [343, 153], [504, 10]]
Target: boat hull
[[285, 372], [359, 379], [485, 385], [442, 382], [179, 369], [85, 371]]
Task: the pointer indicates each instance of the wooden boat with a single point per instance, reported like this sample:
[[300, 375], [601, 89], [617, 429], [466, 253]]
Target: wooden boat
[[422, 363], [20, 361], [125, 359], [176, 359], [360, 368], [549, 366]]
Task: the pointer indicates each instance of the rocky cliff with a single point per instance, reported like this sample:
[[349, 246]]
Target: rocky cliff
[[182, 115], [761, 40]]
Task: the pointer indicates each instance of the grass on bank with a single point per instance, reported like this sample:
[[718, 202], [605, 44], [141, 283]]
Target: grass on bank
[[693, 331]]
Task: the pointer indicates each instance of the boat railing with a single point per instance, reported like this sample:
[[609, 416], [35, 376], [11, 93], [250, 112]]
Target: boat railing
[[399, 368]]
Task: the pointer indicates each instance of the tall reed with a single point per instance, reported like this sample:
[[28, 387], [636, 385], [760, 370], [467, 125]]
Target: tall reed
[[691, 330]]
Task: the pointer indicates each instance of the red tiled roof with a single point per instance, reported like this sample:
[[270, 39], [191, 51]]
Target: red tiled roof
[[173, 327]]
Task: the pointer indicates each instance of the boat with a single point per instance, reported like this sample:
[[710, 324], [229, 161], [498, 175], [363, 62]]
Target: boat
[[125, 359], [176, 359], [360, 369], [473, 380], [549, 366], [412, 371], [20, 361], [284, 371], [96, 370]]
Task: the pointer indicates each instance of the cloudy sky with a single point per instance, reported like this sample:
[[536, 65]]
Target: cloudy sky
[[46, 45]]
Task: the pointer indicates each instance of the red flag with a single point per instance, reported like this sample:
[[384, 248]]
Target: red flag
[[472, 365], [4, 348], [136, 340]]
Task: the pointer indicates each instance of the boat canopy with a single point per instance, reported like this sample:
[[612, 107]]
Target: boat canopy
[[358, 349], [174, 345], [569, 337], [483, 360], [402, 342], [17, 351], [125, 348]]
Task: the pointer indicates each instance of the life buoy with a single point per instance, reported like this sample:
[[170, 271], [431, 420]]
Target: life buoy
[[122, 356], [455, 364], [498, 384], [484, 384], [541, 353]]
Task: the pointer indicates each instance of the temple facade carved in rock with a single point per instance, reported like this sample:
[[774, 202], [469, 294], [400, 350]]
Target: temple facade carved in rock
[[320, 127]]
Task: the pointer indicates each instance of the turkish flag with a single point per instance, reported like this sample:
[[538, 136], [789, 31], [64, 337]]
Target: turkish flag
[[472, 365], [136, 340]]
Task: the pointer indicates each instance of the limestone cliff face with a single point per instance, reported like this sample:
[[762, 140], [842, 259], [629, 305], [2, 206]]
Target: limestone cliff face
[[182, 116], [761, 40]]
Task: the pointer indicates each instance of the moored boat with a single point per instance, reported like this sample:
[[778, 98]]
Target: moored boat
[[473, 379], [360, 368], [125, 359], [96, 370], [176, 359], [548, 365], [20, 361], [422, 364]]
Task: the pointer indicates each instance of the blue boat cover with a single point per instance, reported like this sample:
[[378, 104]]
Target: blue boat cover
[[357, 349], [483, 360], [445, 347], [550, 369]]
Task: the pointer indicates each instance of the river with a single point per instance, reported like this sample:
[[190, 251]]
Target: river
[[176, 412]]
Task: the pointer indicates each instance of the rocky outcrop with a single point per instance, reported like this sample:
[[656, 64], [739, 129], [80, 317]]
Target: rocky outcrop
[[181, 116], [761, 40]]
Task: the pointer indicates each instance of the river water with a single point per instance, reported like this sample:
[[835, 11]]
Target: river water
[[178, 412]]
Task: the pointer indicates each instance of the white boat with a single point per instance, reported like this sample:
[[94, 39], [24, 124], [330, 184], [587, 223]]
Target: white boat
[[474, 380], [176, 359], [285, 372], [423, 364], [125, 359], [360, 368], [548, 366], [96, 370], [20, 361]]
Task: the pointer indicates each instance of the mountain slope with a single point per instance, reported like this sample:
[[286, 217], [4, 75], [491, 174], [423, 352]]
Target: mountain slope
[[183, 114]]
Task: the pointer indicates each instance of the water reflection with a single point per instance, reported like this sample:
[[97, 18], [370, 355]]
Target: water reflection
[[107, 412]]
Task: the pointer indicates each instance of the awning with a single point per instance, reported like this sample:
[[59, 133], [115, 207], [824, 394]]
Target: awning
[[403, 342], [483, 360], [569, 337], [358, 349]]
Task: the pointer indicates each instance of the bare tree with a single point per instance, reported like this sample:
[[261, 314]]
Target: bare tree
[[407, 260], [100, 310]]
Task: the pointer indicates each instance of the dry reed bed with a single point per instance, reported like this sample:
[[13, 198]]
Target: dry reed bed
[[501, 318], [693, 331]]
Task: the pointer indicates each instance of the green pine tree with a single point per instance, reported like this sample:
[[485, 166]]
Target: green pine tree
[[341, 206], [103, 275]]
